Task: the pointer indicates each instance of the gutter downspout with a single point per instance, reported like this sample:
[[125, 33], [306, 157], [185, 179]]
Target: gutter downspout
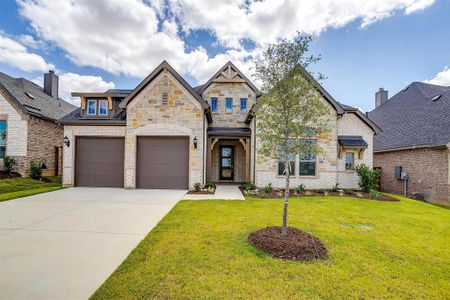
[[254, 150]]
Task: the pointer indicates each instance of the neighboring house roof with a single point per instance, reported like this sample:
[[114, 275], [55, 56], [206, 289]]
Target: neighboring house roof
[[201, 88], [156, 72], [417, 116], [31, 98]]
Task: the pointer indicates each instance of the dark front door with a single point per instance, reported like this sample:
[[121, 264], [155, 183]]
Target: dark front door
[[226, 163]]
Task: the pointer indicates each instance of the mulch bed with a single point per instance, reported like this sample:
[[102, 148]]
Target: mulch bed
[[4, 175], [280, 194], [297, 245], [193, 192]]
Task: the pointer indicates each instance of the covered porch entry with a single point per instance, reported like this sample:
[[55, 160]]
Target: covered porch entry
[[228, 155]]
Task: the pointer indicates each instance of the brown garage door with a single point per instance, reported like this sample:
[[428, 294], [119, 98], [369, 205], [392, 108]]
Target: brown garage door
[[163, 162], [99, 162]]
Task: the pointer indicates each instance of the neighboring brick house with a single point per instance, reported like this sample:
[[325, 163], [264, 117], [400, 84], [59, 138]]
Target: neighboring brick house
[[415, 137], [29, 122], [167, 134]]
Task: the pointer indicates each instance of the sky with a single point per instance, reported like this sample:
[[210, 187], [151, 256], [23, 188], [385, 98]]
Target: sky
[[94, 45]]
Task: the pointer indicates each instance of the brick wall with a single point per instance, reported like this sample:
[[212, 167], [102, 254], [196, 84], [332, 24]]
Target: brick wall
[[428, 171], [43, 137]]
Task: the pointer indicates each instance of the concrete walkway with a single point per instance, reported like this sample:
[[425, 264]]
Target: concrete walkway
[[223, 192], [64, 244]]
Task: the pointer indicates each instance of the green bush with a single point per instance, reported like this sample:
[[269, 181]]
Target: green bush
[[374, 194], [348, 192], [210, 185], [335, 187], [321, 191], [267, 189], [367, 178], [8, 163], [299, 189], [197, 186], [35, 170], [248, 186]]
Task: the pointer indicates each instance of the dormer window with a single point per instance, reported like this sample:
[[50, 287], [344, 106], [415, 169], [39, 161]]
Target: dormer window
[[103, 107], [92, 107]]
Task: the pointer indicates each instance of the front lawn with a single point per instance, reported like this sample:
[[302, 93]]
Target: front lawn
[[17, 187], [376, 250]]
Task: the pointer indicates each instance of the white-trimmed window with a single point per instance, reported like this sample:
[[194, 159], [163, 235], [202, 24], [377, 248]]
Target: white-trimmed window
[[91, 107], [228, 105], [307, 161], [3, 135], [103, 107], [243, 104]]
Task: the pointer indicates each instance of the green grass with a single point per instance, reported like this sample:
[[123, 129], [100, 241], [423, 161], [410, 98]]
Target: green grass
[[199, 251], [18, 187]]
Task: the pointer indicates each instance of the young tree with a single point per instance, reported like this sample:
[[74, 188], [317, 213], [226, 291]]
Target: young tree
[[291, 113]]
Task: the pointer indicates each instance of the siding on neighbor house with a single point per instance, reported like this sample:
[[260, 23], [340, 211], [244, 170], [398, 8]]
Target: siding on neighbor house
[[16, 140], [69, 152], [427, 168], [148, 116], [350, 124]]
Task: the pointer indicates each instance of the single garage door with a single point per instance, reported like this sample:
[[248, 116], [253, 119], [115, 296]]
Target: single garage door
[[163, 162], [99, 161]]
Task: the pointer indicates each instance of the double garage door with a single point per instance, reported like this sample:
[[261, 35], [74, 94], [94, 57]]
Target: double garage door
[[161, 162]]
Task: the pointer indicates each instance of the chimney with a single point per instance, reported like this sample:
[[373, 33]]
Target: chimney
[[380, 97], [51, 82]]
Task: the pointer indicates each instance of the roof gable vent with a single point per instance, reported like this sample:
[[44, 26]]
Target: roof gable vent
[[436, 98]]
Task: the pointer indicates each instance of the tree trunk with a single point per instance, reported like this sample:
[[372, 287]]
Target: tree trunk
[[284, 229]]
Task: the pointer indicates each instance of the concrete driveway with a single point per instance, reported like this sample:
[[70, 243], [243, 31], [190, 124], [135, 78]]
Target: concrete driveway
[[64, 244]]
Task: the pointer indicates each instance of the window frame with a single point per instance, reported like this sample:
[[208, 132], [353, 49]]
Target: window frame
[[5, 139], [352, 166], [230, 110], [216, 100], [308, 161], [95, 107], [98, 103], [245, 100]]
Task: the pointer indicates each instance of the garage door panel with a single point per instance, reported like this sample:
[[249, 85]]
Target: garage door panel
[[163, 162], [100, 162]]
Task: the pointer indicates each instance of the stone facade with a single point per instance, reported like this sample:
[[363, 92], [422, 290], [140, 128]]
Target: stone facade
[[147, 115], [16, 139], [72, 132], [236, 91], [428, 170]]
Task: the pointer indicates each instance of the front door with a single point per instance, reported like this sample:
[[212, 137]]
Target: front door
[[226, 163]]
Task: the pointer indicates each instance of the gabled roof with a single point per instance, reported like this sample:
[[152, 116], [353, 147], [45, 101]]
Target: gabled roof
[[414, 117], [31, 99], [200, 89], [154, 74]]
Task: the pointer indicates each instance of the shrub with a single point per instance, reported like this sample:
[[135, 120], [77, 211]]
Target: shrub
[[248, 186], [210, 185], [197, 186], [8, 163], [299, 189], [348, 192], [321, 191], [374, 194], [367, 178], [267, 189], [335, 187], [35, 170]]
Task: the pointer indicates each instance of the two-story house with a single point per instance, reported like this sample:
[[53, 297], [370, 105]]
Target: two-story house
[[167, 134]]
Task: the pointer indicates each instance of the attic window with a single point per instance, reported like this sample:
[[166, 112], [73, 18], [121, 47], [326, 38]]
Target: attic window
[[165, 98], [436, 98], [29, 95]]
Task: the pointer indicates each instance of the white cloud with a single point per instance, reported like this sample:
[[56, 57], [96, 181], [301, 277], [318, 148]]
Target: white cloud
[[71, 82], [132, 37], [16, 55], [441, 78]]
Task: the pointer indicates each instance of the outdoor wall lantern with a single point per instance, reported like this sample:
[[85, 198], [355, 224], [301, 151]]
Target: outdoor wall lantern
[[66, 141], [195, 142]]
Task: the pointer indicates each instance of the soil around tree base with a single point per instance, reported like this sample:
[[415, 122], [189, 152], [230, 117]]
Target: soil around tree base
[[297, 245]]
